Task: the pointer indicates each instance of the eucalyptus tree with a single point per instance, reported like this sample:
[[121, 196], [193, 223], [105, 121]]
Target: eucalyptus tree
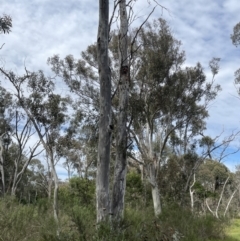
[[164, 99], [25, 152], [16, 130], [45, 110], [5, 103], [168, 102]]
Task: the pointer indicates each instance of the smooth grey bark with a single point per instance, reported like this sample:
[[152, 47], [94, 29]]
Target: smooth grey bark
[[119, 180], [105, 126]]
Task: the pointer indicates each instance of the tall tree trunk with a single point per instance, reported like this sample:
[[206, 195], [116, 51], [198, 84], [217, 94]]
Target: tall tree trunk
[[105, 125], [119, 182]]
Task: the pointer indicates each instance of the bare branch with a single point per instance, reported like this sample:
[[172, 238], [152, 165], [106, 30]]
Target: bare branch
[[139, 29], [2, 45], [116, 2]]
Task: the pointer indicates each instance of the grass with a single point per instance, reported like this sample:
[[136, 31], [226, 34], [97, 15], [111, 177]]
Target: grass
[[233, 231]]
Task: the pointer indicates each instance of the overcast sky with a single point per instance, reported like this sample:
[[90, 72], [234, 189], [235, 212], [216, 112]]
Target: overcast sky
[[42, 28]]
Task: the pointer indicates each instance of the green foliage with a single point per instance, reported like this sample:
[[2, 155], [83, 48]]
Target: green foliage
[[193, 228], [236, 35], [5, 24], [35, 222], [24, 222], [79, 191], [174, 222], [137, 192], [134, 182], [212, 174]]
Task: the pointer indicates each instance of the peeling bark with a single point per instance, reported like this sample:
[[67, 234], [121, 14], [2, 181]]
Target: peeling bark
[[119, 182]]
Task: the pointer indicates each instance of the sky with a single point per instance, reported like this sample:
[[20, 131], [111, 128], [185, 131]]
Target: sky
[[42, 28]]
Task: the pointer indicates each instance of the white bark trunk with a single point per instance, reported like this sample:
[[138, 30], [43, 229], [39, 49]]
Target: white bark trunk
[[105, 125], [119, 182], [155, 190], [230, 199], [55, 194], [220, 199], [192, 193], [229, 202], [156, 200], [209, 207]]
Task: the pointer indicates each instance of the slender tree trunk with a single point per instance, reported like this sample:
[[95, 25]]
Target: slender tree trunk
[[55, 193], [230, 199], [2, 175], [221, 195], [50, 179], [14, 183], [211, 211], [50, 182], [192, 193], [119, 182], [2, 167], [105, 125]]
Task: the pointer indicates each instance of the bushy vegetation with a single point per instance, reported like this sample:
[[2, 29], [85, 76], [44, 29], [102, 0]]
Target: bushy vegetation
[[77, 218]]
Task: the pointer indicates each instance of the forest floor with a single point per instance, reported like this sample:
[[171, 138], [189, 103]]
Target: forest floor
[[233, 231]]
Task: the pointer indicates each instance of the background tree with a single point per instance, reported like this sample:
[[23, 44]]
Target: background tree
[[5, 118], [22, 134], [45, 110], [166, 101], [236, 41]]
